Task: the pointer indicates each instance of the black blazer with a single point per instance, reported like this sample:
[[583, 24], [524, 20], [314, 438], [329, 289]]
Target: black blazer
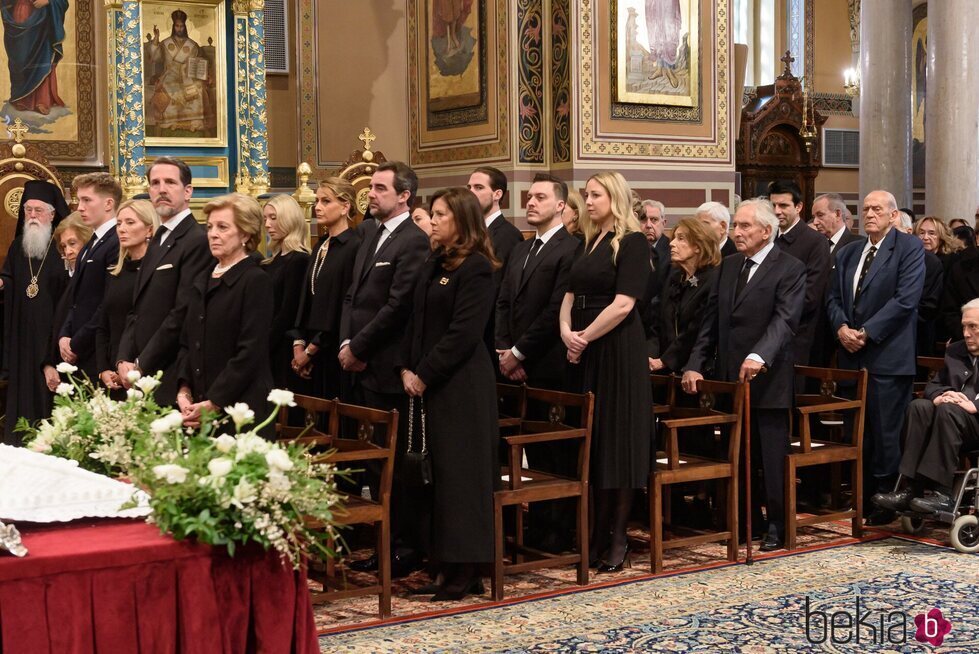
[[319, 315], [505, 236], [961, 285], [287, 272], [164, 288], [379, 301], [728, 248], [812, 249], [846, 238], [86, 291], [928, 306], [762, 320], [957, 370], [681, 309], [116, 304], [529, 302], [224, 345]]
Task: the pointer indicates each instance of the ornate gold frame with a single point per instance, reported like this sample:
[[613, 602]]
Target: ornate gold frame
[[221, 69]]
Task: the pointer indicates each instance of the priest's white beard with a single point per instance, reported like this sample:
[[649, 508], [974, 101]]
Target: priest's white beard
[[36, 239]]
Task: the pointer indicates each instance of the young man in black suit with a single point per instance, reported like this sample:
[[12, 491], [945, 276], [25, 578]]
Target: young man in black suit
[[809, 247], [376, 308], [98, 196], [489, 185], [177, 256], [752, 315]]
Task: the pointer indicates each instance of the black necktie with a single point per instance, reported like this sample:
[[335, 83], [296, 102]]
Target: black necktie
[[743, 278], [158, 237], [369, 259], [869, 259], [534, 249], [83, 255]]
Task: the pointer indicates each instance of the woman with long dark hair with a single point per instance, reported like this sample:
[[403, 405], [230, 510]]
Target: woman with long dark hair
[[447, 366]]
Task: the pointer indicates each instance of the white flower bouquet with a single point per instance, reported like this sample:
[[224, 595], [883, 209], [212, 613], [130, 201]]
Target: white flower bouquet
[[101, 434], [233, 489]]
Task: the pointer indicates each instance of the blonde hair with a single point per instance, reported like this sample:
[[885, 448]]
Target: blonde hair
[[247, 215], [947, 242], [289, 216], [342, 190], [147, 215], [72, 221], [620, 197]]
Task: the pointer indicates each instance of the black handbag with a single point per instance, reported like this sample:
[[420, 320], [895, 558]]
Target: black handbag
[[416, 467]]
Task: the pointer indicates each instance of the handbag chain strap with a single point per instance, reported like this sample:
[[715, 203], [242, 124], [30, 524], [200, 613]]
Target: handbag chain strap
[[411, 424]]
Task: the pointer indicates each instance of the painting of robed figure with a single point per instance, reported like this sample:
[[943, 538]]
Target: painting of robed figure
[[33, 37], [657, 50]]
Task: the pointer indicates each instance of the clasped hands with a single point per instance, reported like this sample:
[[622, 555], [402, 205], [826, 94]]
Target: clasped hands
[[349, 362], [190, 410], [511, 367], [302, 363], [575, 342], [955, 397], [413, 384], [851, 339]]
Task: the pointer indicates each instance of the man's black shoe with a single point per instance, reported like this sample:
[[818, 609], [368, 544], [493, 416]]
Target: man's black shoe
[[880, 517], [895, 500], [772, 541], [403, 565], [934, 503], [364, 565]]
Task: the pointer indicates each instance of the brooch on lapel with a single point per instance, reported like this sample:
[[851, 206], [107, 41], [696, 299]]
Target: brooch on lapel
[[693, 281], [444, 281]]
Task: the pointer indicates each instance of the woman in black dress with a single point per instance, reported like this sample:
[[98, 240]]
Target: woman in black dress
[[286, 265], [224, 347], [601, 327], [316, 333], [136, 223], [447, 365], [695, 256]]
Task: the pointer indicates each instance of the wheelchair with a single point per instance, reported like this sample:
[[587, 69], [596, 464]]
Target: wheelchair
[[964, 516]]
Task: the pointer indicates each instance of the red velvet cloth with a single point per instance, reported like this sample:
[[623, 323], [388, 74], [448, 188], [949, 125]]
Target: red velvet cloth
[[119, 587]]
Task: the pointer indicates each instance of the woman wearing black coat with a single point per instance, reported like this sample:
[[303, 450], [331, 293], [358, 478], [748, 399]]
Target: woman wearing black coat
[[286, 265], [695, 256], [446, 364], [316, 333], [136, 223], [224, 349]]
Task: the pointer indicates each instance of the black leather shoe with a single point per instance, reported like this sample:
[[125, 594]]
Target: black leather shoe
[[895, 500], [364, 565], [772, 541], [403, 565], [880, 517], [447, 594], [604, 566], [934, 503]]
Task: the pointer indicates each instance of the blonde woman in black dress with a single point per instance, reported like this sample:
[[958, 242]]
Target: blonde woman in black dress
[[601, 327]]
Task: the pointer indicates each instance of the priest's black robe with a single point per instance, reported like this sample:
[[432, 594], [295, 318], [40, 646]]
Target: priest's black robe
[[27, 333]]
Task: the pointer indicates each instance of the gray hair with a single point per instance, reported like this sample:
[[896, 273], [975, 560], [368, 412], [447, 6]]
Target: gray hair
[[47, 206], [834, 202], [906, 222], [970, 305], [764, 214], [715, 211], [656, 204]]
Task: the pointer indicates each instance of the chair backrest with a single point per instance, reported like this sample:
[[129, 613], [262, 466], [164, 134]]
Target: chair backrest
[[320, 424], [829, 401], [511, 406], [928, 367], [664, 392], [569, 416], [719, 404], [369, 421]]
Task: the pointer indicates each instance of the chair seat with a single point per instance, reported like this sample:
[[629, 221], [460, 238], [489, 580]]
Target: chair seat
[[357, 510], [537, 485], [693, 468]]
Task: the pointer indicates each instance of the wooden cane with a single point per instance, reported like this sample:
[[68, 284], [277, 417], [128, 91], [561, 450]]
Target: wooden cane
[[746, 441]]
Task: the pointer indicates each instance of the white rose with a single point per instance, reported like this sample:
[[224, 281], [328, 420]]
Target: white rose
[[244, 493], [281, 397], [279, 482], [220, 467], [171, 472], [278, 459], [240, 414], [66, 368], [133, 376], [249, 442], [134, 394], [65, 389], [147, 384], [224, 443], [175, 419]]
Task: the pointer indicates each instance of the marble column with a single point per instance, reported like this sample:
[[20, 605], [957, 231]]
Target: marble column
[[885, 98], [952, 110], [258, 128]]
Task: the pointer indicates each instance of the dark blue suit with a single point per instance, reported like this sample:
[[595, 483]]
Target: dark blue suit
[[888, 310], [85, 292]]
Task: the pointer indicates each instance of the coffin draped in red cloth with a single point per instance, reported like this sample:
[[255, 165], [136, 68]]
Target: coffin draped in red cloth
[[120, 586]]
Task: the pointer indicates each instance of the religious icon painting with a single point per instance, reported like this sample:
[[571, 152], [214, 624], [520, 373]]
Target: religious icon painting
[[184, 73], [47, 76], [656, 50]]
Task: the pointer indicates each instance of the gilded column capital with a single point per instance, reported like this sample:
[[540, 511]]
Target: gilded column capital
[[239, 7], [256, 5], [113, 4]]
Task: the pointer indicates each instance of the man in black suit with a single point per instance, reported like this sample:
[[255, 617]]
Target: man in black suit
[[375, 311], [489, 185], [528, 336], [829, 216], [177, 256], [716, 216], [98, 196], [752, 314], [940, 426], [653, 223], [809, 247]]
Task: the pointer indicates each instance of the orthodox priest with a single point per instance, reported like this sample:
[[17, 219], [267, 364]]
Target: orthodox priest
[[33, 279]]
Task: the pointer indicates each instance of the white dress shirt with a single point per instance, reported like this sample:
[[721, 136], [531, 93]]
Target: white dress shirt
[[758, 257], [388, 226], [171, 224], [493, 216]]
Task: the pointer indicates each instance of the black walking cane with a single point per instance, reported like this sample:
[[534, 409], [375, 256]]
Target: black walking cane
[[746, 441]]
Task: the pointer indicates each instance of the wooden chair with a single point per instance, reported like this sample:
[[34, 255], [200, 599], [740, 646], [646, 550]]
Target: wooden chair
[[524, 485], [837, 447], [353, 453], [928, 367], [676, 467], [512, 405]]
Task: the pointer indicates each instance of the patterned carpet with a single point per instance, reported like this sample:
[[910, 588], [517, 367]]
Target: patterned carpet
[[761, 608]]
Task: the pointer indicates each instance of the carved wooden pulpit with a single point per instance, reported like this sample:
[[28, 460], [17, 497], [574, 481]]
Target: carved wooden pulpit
[[770, 141]]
